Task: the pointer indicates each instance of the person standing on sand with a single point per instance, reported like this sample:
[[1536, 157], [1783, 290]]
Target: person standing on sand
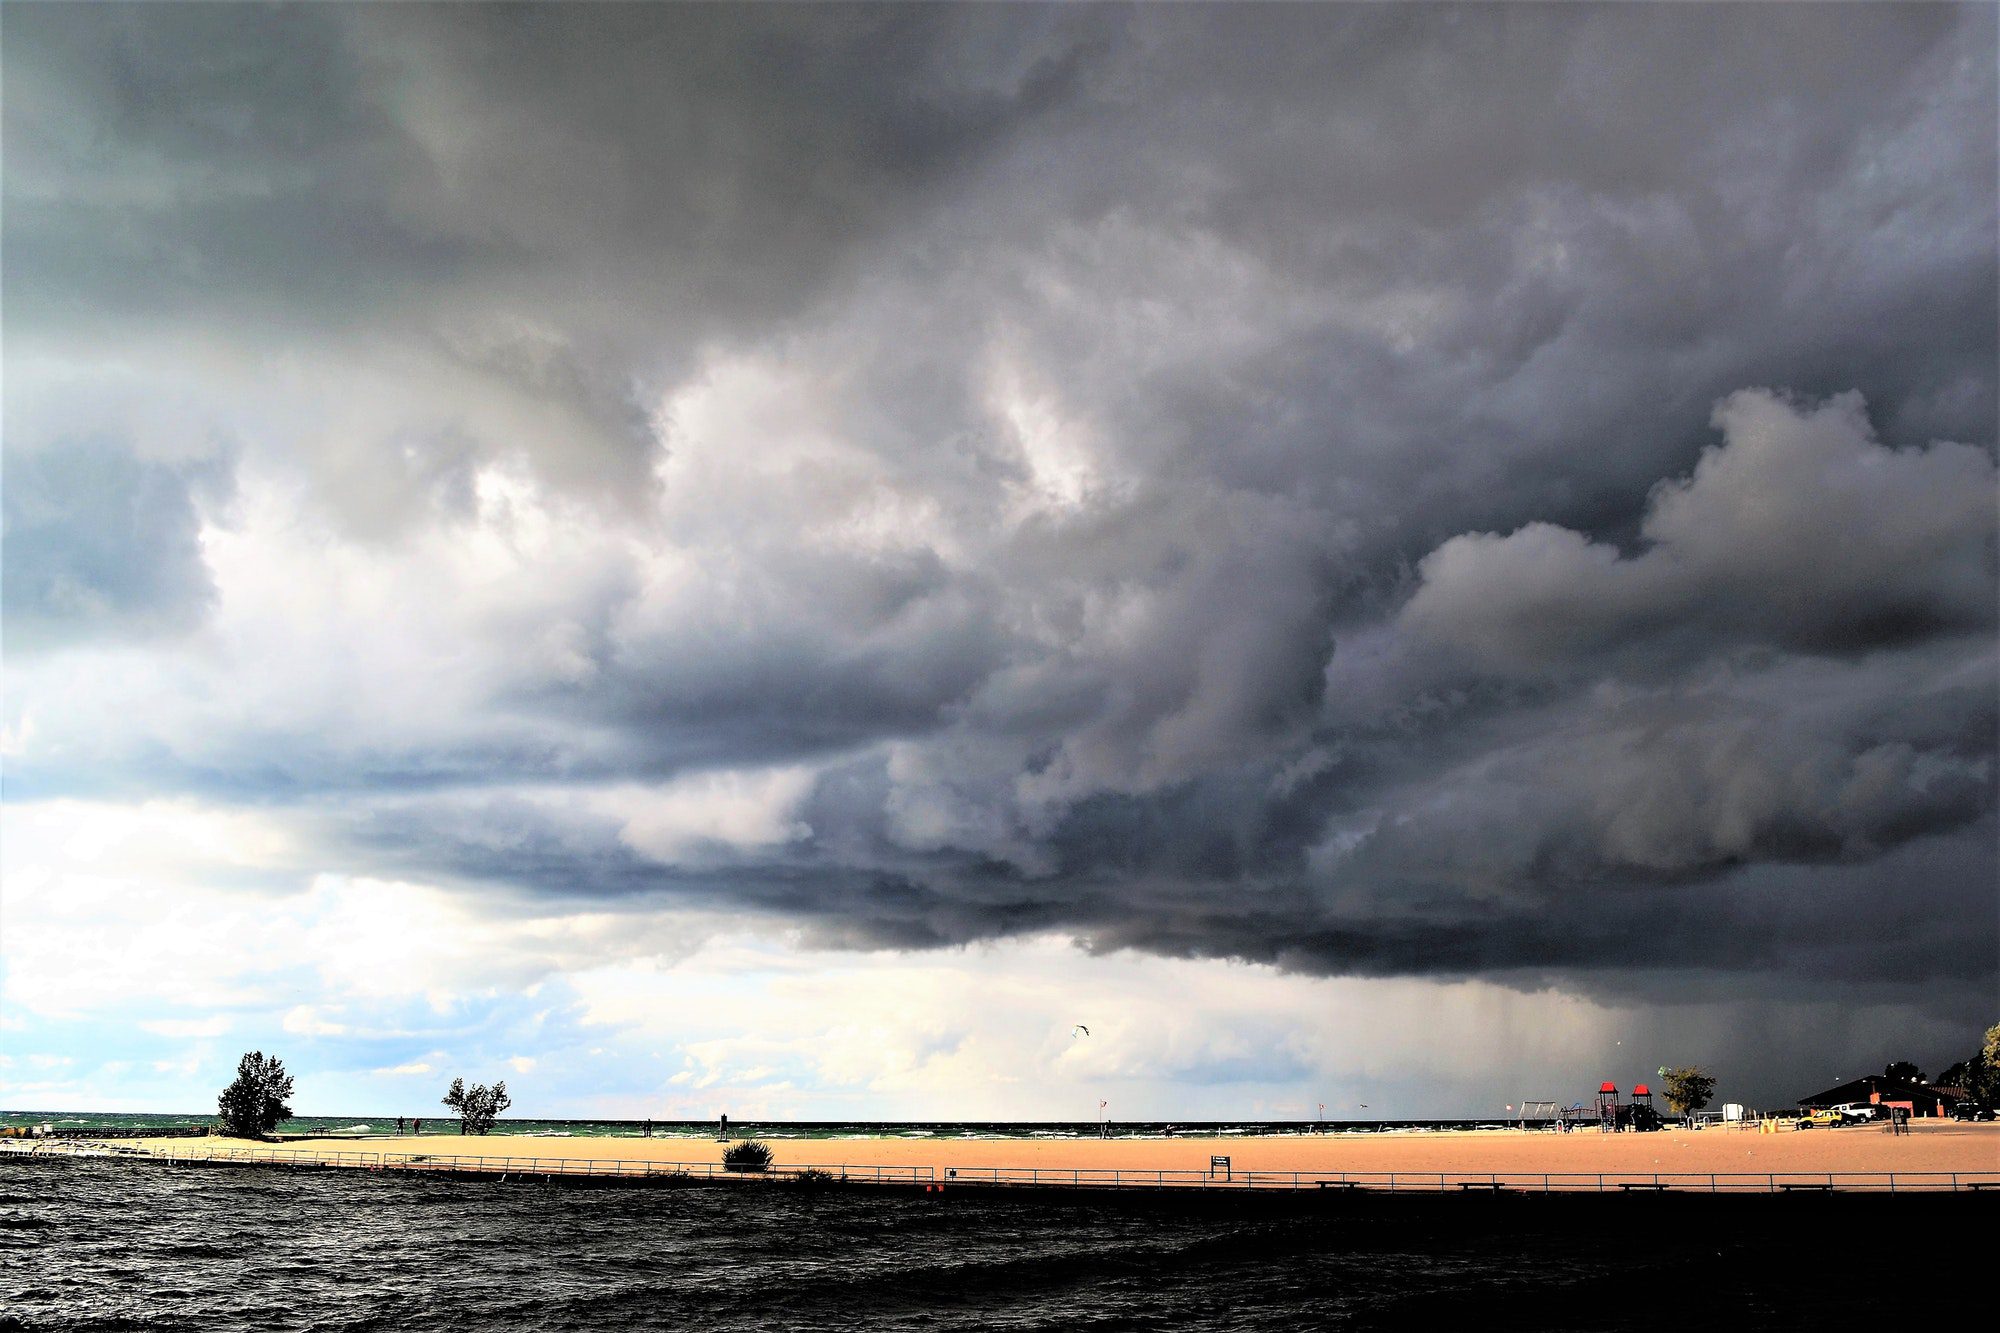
[[649, 1128], [725, 1125], [417, 1128], [399, 1127]]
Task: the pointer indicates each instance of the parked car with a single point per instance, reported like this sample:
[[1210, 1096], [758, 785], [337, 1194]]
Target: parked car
[[1970, 1111], [1830, 1117]]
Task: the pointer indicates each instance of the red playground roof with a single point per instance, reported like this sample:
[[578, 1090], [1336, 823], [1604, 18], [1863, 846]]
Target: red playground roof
[[1641, 1091], [1609, 1087]]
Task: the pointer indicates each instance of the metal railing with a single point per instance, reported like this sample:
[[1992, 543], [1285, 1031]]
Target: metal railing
[[1446, 1182]]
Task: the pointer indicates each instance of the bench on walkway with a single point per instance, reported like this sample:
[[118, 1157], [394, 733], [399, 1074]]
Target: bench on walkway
[[1340, 1185], [1788, 1186], [1645, 1185], [1493, 1185], [1983, 1184]]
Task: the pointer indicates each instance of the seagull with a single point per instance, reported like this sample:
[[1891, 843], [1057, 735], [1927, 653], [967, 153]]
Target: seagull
[[1079, 1028]]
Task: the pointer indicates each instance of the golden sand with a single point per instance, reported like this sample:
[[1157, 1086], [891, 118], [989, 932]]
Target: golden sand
[[1945, 1146]]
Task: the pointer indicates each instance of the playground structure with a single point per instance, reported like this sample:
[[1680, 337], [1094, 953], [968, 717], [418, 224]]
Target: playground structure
[[1540, 1115], [1607, 1112], [1638, 1115]]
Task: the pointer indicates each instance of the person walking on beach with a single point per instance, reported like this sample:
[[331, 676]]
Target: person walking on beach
[[417, 1128]]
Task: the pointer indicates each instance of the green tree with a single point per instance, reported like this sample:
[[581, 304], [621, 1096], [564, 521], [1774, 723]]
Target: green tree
[[478, 1106], [252, 1106], [1981, 1077], [1688, 1088]]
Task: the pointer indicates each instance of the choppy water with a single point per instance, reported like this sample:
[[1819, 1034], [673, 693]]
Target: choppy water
[[107, 1245]]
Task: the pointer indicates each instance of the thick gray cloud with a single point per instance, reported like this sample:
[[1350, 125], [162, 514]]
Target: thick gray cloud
[[100, 543], [546, 213], [1799, 532], [1431, 490]]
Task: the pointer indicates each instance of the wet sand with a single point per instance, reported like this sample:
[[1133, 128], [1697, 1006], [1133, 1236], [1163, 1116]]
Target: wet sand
[[1944, 1146]]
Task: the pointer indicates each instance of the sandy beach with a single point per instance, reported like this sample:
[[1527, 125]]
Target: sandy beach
[[1945, 1146]]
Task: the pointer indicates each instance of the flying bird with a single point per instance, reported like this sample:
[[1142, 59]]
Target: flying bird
[[1079, 1028]]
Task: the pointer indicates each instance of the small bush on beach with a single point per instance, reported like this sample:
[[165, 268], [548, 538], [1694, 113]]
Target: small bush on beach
[[252, 1106], [813, 1178], [749, 1155]]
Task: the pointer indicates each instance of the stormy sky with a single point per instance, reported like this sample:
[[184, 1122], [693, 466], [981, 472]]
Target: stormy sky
[[773, 558]]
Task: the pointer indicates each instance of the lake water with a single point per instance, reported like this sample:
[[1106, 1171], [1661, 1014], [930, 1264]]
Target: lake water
[[439, 1121]]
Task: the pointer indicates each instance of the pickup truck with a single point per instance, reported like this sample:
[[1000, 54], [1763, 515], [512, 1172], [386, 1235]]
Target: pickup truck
[[1832, 1117]]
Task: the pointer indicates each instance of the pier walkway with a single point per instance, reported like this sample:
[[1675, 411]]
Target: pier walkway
[[610, 1170]]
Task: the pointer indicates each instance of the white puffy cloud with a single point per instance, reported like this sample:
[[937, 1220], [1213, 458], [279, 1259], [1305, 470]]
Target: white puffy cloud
[[412, 1069], [740, 810]]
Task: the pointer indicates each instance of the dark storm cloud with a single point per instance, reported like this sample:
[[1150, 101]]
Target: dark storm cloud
[[1417, 489], [1802, 532], [534, 202]]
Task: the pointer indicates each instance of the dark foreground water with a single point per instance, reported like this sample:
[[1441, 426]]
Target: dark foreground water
[[119, 1245]]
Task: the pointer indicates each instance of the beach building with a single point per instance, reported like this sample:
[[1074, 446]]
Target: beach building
[[1876, 1090]]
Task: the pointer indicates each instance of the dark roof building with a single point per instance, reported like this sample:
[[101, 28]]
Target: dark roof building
[[1877, 1090]]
